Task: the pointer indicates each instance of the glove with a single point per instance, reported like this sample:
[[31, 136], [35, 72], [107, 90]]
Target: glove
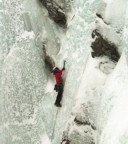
[[64, 65], [63, 69]]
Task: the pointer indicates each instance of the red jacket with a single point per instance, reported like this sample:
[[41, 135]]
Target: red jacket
[[58, 77]]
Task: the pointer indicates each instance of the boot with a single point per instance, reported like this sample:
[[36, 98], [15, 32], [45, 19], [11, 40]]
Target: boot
[[58, 105]]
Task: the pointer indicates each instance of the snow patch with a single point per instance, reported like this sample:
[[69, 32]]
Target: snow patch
[[45, 139], [50, 86], [107, 32], [115, 130], [28, 35]]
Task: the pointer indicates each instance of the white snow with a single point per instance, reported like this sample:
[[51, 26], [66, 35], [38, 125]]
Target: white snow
[[28, 96], [115, 130], [50, 86], [115, 13], [45, 139], [28, 35], [107, 32]]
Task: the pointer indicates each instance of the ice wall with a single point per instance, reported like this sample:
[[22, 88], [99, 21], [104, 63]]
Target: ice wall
[[95, 93], [99, 113], [27, 96], [74, 42], [113, 117], [22, 79]]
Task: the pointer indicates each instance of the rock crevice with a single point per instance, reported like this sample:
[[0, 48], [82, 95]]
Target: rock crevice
[[55, 12]]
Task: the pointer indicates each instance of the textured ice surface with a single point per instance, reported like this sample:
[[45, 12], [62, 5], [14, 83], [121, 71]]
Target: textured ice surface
[[113, 117], [23, 80], [27, 99], [27, 111]]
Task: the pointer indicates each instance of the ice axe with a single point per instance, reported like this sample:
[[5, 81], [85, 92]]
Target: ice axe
[[64, 64]]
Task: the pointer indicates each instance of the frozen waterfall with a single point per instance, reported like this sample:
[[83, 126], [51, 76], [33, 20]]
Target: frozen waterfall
[[91, 35]]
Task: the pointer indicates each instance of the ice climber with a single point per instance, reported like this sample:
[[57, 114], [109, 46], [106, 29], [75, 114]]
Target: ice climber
[[49, 63], [59, 84]]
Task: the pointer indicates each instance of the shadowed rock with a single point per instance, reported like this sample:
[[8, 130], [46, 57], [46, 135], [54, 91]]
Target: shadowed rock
[[65, 141], [101, 47], [84, 123], [49, 62], [55, 12], [100, 16], [81, 128]]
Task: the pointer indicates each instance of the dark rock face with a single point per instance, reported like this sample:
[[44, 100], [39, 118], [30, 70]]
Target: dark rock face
[[49, 62], [55, 12], [99, 15], [101, 47]]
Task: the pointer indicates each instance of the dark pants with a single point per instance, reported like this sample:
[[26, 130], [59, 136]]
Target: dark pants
[[59, 89]]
